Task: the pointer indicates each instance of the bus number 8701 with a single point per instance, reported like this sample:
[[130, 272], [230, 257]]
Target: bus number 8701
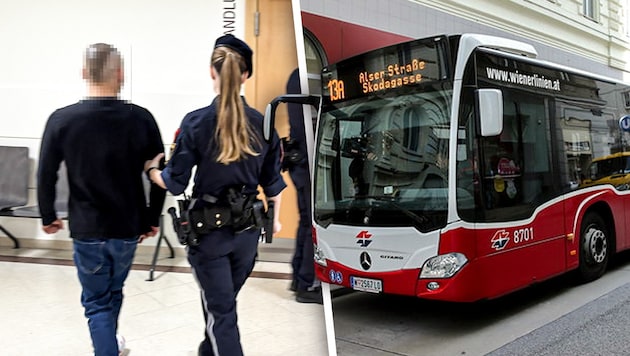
[[523, 235]]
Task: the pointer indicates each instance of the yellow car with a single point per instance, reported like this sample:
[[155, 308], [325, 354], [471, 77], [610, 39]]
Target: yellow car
[[612, 169]]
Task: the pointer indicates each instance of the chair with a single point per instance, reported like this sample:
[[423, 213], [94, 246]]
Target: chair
[[14, 177]]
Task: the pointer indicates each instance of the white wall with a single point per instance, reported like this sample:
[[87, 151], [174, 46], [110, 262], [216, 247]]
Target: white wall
[[166, 47]]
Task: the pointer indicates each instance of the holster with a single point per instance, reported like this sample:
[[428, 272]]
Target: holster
[[181, 224], [266, 235]]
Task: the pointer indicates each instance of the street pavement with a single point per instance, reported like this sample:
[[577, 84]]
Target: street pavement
[[554, 317], [601, 327]]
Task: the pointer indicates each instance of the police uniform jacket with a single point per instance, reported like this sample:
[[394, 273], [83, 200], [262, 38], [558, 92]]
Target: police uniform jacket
[[196, 146]]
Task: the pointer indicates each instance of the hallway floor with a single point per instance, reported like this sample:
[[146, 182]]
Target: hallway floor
[[41, 313]]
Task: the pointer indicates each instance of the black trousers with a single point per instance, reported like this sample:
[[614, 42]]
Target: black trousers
[[302, 262], [221, 264]]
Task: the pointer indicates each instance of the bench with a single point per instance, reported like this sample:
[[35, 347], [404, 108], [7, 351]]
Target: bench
[[13, 182], [14, 179]]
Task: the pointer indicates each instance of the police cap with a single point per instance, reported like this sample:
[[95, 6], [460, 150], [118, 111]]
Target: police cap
[[239, 47]]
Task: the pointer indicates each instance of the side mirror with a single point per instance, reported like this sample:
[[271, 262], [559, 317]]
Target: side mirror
[[490, 111], [269, 122]]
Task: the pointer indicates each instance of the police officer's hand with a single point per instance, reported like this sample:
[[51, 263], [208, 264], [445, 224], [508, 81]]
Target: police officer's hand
[[277, 226], [53, 227], [151, 168], [146, 235], [155, 162]]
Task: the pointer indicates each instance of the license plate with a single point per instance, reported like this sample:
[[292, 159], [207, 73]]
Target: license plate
[[366, 284]]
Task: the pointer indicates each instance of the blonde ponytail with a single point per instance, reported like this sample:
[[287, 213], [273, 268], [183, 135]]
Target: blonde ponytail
[[234, 132]]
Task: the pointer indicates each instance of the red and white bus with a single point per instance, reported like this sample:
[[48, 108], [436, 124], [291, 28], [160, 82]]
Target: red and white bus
[[450, 168]]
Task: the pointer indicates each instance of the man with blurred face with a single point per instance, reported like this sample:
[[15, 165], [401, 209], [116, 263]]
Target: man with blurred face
[[104, 142]]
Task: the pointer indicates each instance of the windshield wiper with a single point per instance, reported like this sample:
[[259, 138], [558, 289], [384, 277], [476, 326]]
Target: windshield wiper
[[419, 220], [325, 219]]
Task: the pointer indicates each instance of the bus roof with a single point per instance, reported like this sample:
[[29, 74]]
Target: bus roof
[[513, 49]]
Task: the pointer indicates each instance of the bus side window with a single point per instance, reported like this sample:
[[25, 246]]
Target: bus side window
[[517, 169]]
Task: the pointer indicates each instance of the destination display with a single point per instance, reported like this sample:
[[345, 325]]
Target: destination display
[[391, 68]]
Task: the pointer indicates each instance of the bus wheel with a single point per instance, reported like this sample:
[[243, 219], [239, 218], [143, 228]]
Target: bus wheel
[[594, 247]]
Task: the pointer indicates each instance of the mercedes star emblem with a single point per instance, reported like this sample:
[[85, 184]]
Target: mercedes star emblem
[[365, 260]]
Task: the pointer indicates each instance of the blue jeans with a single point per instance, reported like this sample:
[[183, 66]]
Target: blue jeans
[[103, 266]]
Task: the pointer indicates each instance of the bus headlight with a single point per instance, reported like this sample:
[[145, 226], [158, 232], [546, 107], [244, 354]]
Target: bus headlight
[[320, 259], [443, 266]]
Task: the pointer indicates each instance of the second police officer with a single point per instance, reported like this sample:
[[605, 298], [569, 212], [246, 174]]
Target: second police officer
[[224, 141], [306, 287]]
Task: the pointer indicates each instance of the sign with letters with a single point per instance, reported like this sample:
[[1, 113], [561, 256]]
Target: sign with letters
[[386, 70]]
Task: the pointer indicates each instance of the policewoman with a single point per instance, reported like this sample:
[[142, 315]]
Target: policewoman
[[224, 141]]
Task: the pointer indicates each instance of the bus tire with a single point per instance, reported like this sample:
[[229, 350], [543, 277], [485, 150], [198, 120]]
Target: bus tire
[[594, 247]]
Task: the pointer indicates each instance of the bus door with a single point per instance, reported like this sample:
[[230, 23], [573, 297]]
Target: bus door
[[517, 187]]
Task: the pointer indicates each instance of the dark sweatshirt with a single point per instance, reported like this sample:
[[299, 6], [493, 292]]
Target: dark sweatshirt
[[104, 143]]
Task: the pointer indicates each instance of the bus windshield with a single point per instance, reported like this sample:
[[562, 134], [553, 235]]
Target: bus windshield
[[382, 142], [383, 162]]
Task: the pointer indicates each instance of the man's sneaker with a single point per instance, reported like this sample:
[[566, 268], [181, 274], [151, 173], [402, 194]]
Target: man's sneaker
[[293, 286], [313, 295], [121, 344]]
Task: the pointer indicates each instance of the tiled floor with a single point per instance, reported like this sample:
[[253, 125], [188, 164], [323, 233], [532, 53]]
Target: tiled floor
[[41, 314]]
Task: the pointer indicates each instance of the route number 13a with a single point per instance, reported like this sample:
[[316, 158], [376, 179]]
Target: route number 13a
[[336, 89]]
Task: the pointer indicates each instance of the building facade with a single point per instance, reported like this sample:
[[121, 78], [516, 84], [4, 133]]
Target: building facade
[[591, 35]]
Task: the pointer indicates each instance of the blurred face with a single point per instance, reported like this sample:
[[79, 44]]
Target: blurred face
[[103, 66]]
